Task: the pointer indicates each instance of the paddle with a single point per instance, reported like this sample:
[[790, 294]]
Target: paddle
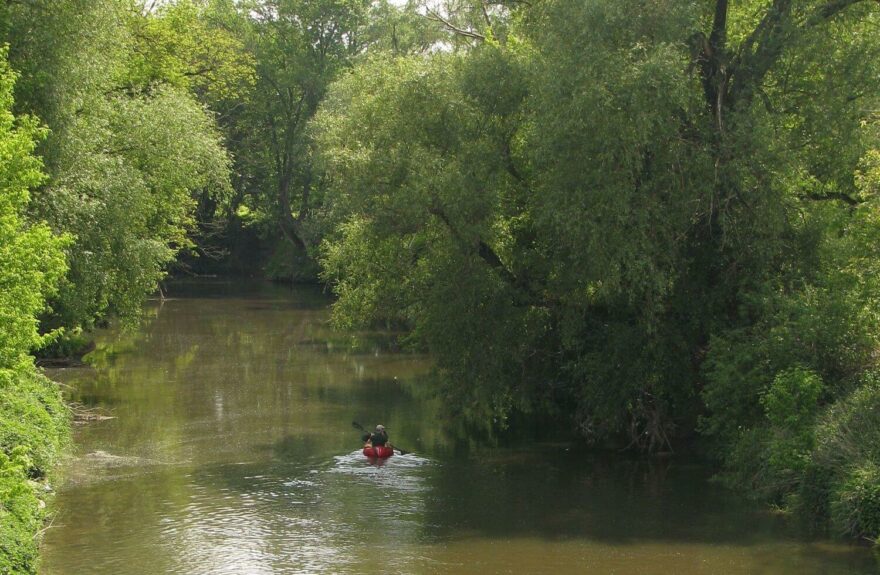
[[360, 427]]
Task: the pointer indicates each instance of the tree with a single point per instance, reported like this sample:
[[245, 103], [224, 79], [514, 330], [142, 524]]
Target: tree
[[299, 48], [33, 422], [127, 160], [617, 184], [31, 257]]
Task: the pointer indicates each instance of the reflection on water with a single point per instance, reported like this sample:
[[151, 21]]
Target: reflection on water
[[231, 451]]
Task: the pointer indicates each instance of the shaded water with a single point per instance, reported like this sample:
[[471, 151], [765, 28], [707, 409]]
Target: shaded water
[[231, 451]]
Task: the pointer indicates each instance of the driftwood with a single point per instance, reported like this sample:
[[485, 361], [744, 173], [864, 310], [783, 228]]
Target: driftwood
[[83, 415]]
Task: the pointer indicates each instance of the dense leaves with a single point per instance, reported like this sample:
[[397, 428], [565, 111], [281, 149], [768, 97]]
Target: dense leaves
[[650, 217], [33, 421], [31, 262], [647, 220], [130, 150]]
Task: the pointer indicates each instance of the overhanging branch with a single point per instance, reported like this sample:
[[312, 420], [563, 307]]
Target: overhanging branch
[[831, 196], [484, 250], [435, 16], [831, 9]]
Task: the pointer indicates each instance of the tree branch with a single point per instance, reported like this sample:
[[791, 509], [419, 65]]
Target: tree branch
[[718, 36], [486, 15], [432, 15], [849, 200], [484, 251], [831, 9], [711, 55], [759, 52]]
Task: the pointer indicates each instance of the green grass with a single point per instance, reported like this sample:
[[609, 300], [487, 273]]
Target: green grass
[[34, 427]]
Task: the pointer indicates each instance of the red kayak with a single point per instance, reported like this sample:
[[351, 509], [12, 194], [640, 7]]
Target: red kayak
[[379, 452]]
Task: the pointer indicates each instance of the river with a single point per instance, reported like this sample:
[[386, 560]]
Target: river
[[229, 449]]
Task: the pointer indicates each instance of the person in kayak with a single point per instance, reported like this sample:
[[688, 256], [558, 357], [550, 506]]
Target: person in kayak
[[379, 437], [375, 444]]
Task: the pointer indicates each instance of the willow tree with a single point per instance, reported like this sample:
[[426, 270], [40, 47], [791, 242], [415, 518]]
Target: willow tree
[[129, 152], [647, 217], [595, 191]]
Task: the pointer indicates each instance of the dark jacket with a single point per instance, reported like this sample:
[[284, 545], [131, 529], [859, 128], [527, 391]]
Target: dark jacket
[[379, 438]]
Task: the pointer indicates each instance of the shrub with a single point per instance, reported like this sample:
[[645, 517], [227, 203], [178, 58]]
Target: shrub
[[771, 458], [848, 451], [849, 434], [20, 515], [855, 509], [790, 405], [32, 414]]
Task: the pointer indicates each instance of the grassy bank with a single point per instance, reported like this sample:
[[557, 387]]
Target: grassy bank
[[34, 427]]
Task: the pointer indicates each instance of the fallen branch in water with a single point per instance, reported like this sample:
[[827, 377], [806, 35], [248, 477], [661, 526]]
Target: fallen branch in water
[[83, 414]]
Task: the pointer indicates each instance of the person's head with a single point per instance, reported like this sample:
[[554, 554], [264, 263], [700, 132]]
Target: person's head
[[380, 428]]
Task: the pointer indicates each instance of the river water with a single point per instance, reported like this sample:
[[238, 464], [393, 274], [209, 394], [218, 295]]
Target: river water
[[231, 450]]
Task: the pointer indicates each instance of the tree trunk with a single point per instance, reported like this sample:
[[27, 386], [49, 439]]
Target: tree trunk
[[291, 227]]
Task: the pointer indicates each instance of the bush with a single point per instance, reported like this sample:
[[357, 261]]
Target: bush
[[848, 451], [34, 425], [855, 509], [20, 515], [33, 419], [32, 414], [72, 344], [790, 406], [772, 458], [812, 501], [849, 434]]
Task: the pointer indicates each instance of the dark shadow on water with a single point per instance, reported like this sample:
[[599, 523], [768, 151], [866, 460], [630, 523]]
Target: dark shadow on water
[[559, 494], [298, 297]]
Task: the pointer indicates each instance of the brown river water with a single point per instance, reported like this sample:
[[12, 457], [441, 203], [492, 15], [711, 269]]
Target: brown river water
[[231, 451]]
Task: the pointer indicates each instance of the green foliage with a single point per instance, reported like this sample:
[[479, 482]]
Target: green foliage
[[400, 30], [631, 214], [615, 189], [125, 183], [856, 507], [31, 261], [410, 194], [790, 405], [32, 414], [189, 44], [823, 314], [791, 401], [127, 162], [299, 48], [772, 456], [846, 457], [20, 517], [658, 219], [33, 419], [849, 434], [476, 162]]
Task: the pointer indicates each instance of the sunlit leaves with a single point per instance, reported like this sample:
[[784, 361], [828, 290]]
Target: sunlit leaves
[[189, 45], [31, 257], [130, 148]]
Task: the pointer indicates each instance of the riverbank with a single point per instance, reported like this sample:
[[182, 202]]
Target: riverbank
[[34, 429]]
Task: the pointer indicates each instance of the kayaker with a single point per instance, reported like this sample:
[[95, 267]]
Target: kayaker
[[375, 444], [376, 439], [379, 437]]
